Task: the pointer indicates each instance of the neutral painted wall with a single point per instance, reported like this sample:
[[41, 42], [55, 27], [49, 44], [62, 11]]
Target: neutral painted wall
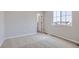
[[20, 23], [1, 27], [67, 32]]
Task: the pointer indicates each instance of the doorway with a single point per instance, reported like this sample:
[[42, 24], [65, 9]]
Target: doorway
[[40, 23]]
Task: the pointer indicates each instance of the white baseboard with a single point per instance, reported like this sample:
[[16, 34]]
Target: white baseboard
[[15, 37], [74, 41], [19, 36], [1, 42]]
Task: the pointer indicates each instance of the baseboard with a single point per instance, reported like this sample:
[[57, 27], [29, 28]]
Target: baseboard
[[1, 42], [73, 41], [15, 37], [19, 36], [67, 39]]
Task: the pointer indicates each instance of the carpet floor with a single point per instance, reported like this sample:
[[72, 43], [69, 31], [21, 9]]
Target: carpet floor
[[38, 40]]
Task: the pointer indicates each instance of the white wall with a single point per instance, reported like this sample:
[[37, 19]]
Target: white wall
[[20, 23], [1, 27], [67, 32]]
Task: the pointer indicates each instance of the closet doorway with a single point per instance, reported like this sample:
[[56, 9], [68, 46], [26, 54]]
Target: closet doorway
[[40, 23]]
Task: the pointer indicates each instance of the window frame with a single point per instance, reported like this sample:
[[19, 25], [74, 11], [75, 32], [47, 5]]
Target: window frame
[[61, 22]]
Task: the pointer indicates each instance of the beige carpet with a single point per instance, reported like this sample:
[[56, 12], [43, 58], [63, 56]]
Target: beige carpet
[[37, 41]]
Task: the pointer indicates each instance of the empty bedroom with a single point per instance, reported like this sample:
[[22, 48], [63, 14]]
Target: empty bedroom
[[39, 29]]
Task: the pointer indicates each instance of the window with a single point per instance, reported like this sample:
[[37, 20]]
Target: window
[[62, 17]]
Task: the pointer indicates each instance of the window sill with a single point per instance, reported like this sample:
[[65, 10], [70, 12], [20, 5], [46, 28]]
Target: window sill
[[63, 25]]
